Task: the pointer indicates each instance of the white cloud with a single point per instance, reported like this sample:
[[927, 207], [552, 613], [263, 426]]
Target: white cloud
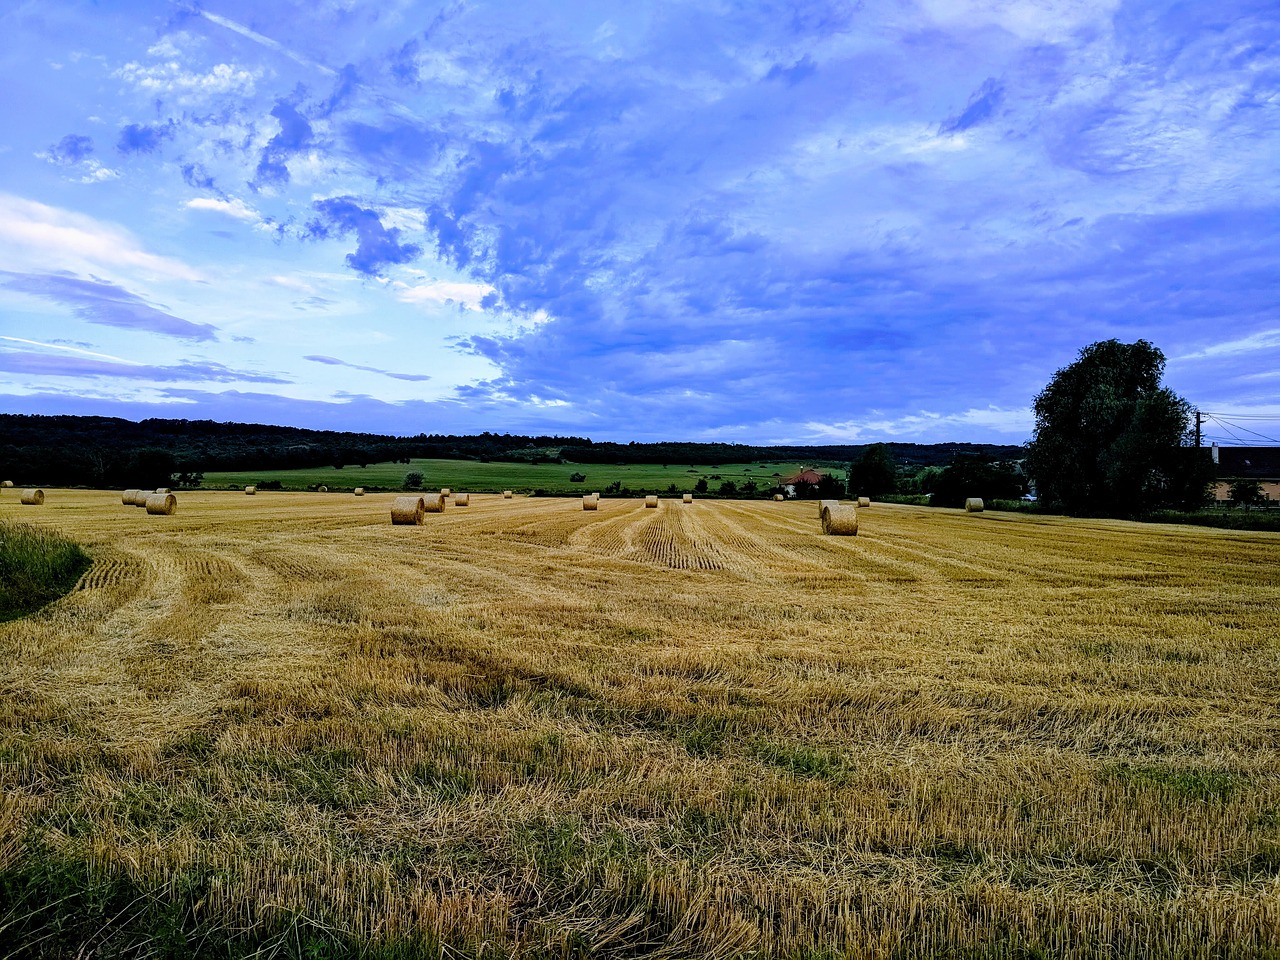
[[59, 346], [38, 237], [1018, 421], [234, 207], [443, 291], [1262, 340], [1029, 20], [170, 77]]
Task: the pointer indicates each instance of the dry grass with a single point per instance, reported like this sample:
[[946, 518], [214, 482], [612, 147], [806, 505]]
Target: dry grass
[[706, 731]]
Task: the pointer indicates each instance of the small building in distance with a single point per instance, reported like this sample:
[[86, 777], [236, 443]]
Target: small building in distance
[[1246, 463], [807, 475]]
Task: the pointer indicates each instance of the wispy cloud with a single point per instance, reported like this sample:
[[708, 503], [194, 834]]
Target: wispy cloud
[[39, 235], [106, 303], [266, 41], [47, 365], [233, 207], [334, 362]]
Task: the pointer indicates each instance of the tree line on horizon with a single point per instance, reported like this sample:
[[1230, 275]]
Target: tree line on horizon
[[1110, 440]]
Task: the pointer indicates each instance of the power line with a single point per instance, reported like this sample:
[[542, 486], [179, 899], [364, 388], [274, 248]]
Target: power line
[[1227, 425]]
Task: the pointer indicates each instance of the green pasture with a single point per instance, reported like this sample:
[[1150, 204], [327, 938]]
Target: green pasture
[[475, 477]]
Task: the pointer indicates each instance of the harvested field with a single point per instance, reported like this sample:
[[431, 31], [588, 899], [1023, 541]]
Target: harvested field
[[704, 729]]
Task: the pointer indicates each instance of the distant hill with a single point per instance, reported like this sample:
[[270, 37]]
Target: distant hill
[[111, 452]]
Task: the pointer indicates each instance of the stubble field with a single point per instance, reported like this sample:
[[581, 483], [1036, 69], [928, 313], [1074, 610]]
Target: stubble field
[[278, 723]]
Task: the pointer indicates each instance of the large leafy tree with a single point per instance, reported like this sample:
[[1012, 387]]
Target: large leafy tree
[[874, 473], [1110, 440]]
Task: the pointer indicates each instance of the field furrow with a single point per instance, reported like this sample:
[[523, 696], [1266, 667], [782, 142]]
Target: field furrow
[[523, 729]]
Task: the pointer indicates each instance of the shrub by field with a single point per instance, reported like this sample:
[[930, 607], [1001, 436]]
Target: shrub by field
[[280, 726], [36, 566]]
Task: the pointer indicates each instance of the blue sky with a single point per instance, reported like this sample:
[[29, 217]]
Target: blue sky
[[758, 222]]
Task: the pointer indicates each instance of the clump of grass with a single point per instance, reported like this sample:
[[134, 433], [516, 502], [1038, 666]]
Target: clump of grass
[[36, 568]]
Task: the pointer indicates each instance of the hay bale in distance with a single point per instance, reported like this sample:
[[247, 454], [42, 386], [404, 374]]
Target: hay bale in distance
[[462, 499], [590, 503], [864, 501], [446, 492], [507, 494], [973, 505], [250, 491], [161, 504], [322, 489], [651, 501], [33, 498], [778, 497], [840, 520], [137, 498], [6, 484], [434, 502], [163, 490], [823, 504], [127, 497], [407, 510], [358, 491], [687, 498]]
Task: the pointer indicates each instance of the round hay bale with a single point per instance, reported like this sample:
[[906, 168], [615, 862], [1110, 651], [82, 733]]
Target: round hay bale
[[687, 498], [251, 491], [33, 498], [138, 498], [434, 502], [127, 497], [590, 503], [840, 520], [446, 492], [462, 499], [778, 497], [506, 494], [407, 510], [973, 505], [6, 484], [651, 500], [596, 494], [162, 504], [823, 504], [358, 491], [322, 489], [163, 490], [864, 501]]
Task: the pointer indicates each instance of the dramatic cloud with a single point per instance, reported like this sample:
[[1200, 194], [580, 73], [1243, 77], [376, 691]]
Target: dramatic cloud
[[830, 221], [107, 304], [377, 245]]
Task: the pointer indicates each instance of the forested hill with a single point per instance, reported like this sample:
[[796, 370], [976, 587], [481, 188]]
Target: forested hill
[[108, 451]]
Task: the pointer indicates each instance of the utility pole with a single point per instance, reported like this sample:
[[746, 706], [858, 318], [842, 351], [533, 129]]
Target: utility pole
[[1199, 418]]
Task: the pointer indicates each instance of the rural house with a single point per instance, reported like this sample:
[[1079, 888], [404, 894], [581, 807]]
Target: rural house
[[1252, 463]]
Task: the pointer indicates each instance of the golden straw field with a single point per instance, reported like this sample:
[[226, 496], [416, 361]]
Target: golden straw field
[[524, 729]]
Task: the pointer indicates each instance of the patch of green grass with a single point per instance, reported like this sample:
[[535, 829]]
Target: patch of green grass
[[1185, 783], [474, 476], [800, 760], [36, 568]]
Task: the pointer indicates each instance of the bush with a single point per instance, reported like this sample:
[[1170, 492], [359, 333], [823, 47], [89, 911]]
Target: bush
[[413, 480], [36, 568], [577, 478]]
